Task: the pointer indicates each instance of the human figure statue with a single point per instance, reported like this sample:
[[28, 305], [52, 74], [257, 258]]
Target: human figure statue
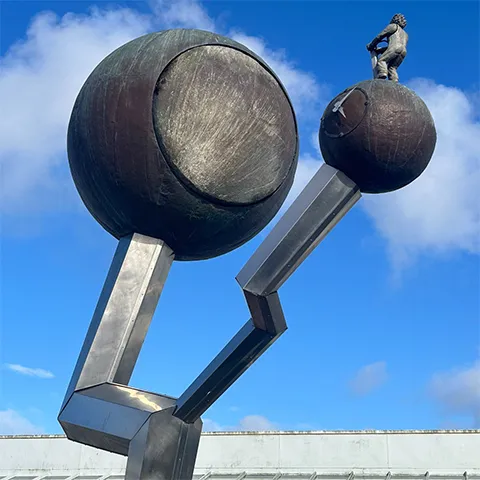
[[389, 58]]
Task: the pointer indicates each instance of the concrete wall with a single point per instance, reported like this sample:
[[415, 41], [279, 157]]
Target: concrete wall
[[326, 453]]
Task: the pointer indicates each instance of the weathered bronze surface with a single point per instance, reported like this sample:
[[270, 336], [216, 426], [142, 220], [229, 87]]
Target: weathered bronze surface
[[186, 136], [379, 133], [389, 58], [224, 125]]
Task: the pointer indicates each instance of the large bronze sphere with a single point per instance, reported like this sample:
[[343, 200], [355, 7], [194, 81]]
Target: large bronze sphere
[[379, 133], [186, 136]]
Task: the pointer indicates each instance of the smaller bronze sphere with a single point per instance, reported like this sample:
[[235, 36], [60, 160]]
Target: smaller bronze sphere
[[379, 133]]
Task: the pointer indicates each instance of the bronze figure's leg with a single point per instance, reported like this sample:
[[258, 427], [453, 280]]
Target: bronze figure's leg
[[392, 67], [384, 61], [392, 73]]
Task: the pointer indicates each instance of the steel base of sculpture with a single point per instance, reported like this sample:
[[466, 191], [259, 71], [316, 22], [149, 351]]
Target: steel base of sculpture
[[161, 434]]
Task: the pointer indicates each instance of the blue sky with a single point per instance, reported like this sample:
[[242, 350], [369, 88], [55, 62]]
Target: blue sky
[[384, 317]]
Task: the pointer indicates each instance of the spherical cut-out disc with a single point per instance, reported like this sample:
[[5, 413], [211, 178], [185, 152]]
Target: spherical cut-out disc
[[346, 113], [224, 124]]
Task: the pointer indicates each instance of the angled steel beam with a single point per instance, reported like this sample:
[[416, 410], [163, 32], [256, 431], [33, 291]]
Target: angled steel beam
[[99, 409], [123, 314], [160, 434], [319, 207]]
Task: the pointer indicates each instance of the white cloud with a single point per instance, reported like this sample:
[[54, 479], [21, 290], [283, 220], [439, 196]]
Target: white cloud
[[13, 423], [39, 81], [31, 372], [210, 425], [183, 14], [256, 423], [440, 211], [307, 167], [250, 423], [49, 67], [458, 391], [369, 378], [303, 89]]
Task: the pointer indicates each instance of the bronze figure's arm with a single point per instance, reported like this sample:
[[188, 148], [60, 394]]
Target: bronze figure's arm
[[380, 50], [384, 34]]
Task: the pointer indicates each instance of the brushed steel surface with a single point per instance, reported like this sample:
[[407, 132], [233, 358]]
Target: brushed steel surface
[[99, 409], [165, 448], [160, 434], [123, 313], [109, 416], [318, 208]]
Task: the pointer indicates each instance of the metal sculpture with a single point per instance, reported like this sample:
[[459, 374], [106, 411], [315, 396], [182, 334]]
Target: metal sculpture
[[379, 132], [386, 60], [186, 136], [178, 168], [382, 136]]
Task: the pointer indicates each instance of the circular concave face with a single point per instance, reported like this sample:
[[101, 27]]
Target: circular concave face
[[224, 125], [345, 113]]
